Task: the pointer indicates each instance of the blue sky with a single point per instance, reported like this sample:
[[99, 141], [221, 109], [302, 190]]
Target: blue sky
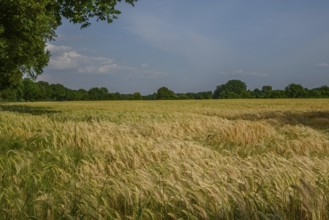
[[191, 46]]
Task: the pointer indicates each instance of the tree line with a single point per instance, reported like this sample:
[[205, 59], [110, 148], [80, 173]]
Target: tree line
[[30, 90]]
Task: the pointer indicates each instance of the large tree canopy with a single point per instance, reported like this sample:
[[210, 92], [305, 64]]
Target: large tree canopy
[[27, 25], [232, 89]]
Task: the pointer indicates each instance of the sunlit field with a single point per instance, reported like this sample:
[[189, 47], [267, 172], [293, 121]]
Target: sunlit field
[[216, 159]]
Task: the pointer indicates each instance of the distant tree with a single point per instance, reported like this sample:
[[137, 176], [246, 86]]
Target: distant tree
[[137, 96], [82, 94], [198, 95], [183, 96], [295, 91], [104, 93], [256, 93], [11, 94], [98, 93], [204, 95], [150, 97], [278, 94], [314, 93], [45, 90], [71, 94], [232, 89], [165, 93], [323, 91], [58, 92], [31, 90], [267, 91], [115, 96]]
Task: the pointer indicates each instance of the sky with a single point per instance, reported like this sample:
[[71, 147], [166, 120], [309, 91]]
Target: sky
[[193, 46]]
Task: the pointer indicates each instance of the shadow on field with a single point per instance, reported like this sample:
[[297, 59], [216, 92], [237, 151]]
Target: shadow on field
[[314, 119], [28, 109]]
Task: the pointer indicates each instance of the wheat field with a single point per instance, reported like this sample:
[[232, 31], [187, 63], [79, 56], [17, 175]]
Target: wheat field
[[214, 159]]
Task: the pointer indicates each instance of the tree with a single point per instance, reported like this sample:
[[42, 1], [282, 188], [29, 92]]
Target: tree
[[82, 94], [31, 90], [256, 93], [231, 89], [203, 95], [267, 91], [295, 91], [98, 93], [45, 90], [165, 93], [27, 25], [278, 94], [137, 96], [322, 92], [11, 94], [58, 92]]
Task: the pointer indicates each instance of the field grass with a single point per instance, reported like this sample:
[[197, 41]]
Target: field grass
[[215, 159]]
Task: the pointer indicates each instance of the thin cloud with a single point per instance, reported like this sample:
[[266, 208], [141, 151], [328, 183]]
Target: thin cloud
[[247, 73], [242, 73], [139, 72], [167, 36], [323, 65]]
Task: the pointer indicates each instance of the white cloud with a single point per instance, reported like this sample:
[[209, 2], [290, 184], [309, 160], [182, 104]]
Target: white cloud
[[53, 48], [64, 58]]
